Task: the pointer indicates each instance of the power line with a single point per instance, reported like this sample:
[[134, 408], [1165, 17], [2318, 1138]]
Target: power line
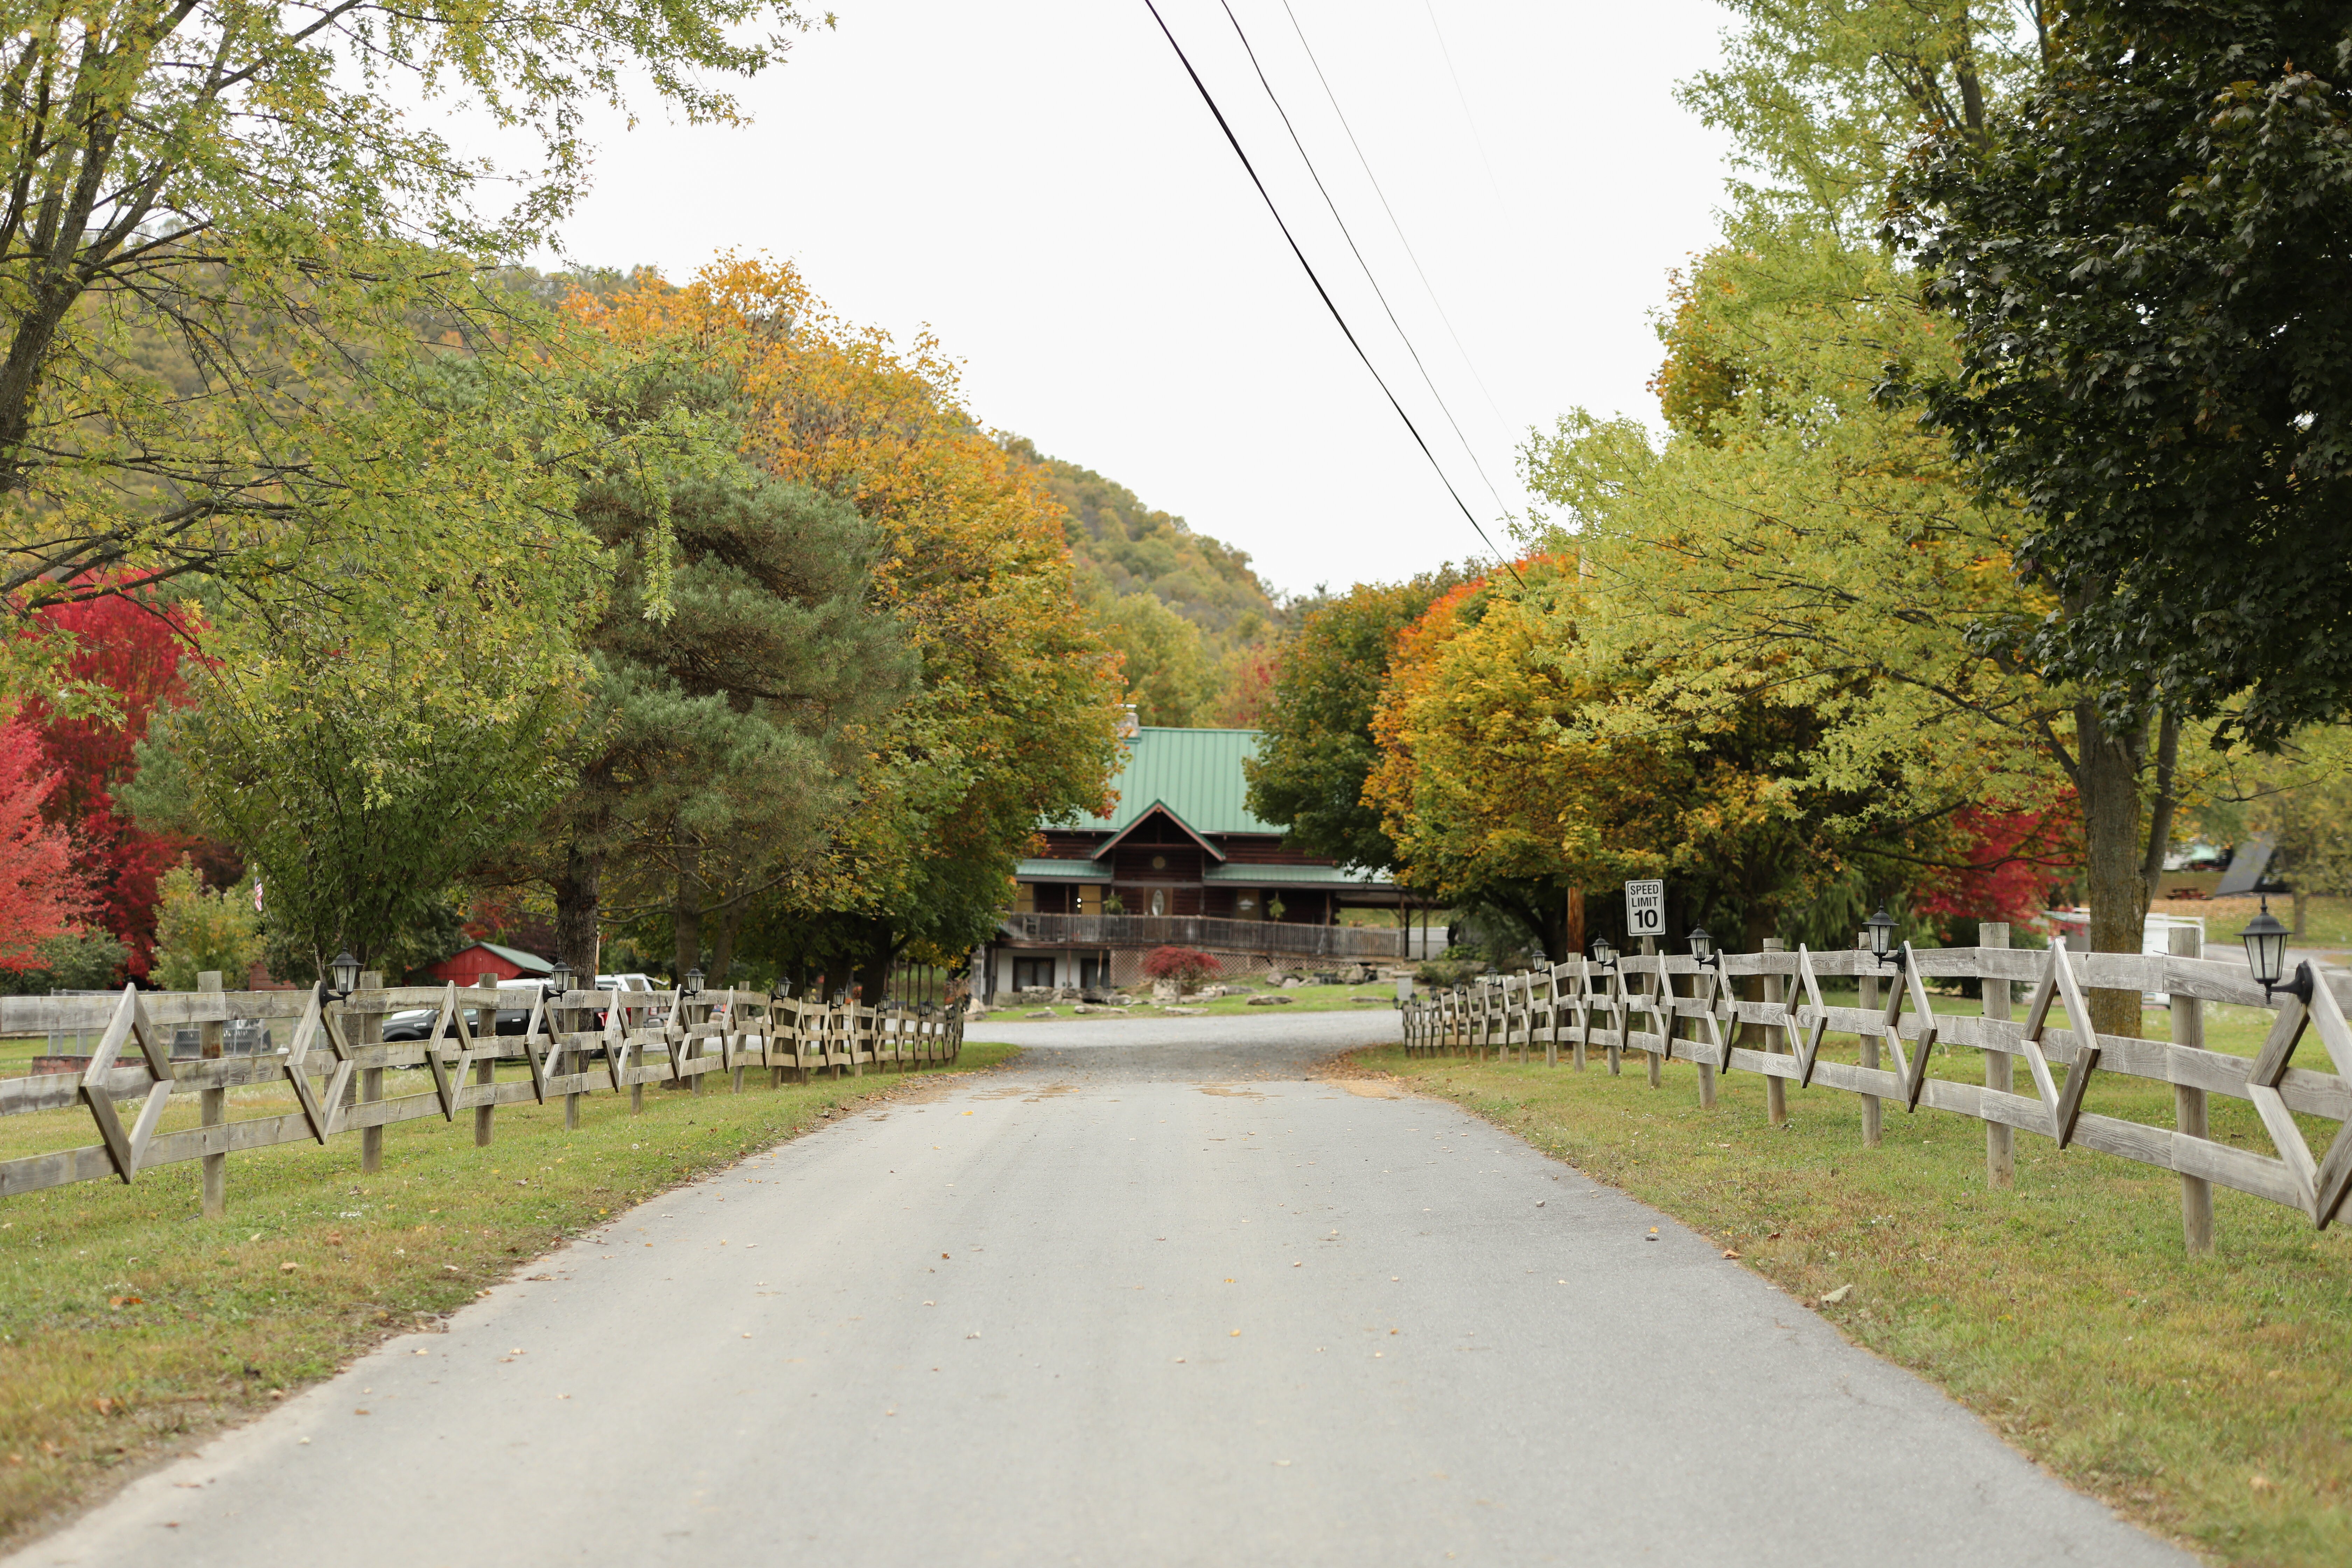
[[1323, 294], [1366, 267], [1493, 184], [1366, 163]]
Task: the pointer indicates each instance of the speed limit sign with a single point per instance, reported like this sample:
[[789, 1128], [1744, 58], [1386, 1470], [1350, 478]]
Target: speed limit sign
[[1646, 908]]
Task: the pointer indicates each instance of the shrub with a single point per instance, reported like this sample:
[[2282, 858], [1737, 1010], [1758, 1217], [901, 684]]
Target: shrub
[[197, 931], [1187, 966]]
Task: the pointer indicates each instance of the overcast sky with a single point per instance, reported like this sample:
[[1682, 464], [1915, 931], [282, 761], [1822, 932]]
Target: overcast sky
[[1038, 182]]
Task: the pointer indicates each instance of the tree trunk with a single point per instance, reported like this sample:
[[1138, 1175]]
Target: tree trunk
[[723, 947], [874, 969], [2302, 897], [2109, 766], [579, 891], [688, 913]]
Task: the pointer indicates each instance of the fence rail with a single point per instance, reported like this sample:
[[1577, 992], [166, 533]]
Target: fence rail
[[335, 1061], [1635, 1007], [1270, 937]]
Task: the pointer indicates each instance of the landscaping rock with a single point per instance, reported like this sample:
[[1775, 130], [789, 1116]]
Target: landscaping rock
[[1044, 1013], [1184, 1012], [1270, 1001]]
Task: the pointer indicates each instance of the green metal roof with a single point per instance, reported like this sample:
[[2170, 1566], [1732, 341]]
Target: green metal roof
[[1268, 875], [1196, 774], [1061, 872], [529, 962]]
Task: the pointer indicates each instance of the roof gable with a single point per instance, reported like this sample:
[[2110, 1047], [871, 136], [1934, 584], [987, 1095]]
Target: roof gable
[[1157, 808]]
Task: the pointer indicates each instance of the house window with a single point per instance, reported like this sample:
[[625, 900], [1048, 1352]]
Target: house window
[[1033, 975], [1158, 901], [1247, 905], [1025, 898]]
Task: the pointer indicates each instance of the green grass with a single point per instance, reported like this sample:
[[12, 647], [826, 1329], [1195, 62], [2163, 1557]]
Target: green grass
[[129, 1327], [2202, 1396]]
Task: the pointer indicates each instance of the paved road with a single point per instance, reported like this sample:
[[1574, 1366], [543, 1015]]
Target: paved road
[[1151, 1298]]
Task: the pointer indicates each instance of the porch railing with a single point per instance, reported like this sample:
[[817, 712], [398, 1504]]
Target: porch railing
[[1293, 940]]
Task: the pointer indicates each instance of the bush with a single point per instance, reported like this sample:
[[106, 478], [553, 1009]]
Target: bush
[[1445, 974], [1187, 966], [197, 931], [90, 961]]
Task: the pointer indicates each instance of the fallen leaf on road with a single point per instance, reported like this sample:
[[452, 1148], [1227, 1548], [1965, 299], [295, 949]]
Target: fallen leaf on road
[[1236, 1334], [1730, 1253], [1836, 1296]]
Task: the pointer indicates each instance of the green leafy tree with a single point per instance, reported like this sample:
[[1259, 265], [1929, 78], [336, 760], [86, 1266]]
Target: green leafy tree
[[1319, 751], [198, 930], [1160, 657], [362, 754], [2145, 259], [224, 235]]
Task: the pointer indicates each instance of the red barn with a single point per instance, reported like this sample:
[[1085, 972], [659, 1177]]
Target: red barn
[[489, 958]]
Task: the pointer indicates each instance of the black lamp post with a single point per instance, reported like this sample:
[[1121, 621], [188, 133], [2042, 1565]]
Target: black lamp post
[[2265, 941], [343, 978], [1604, 955], [1702, 949], [692, 985], [559, 981], [1881, 927]]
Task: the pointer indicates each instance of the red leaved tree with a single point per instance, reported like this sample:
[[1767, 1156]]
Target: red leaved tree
[[133, 650], [1187, 966], [41, 894], [2011, 861]]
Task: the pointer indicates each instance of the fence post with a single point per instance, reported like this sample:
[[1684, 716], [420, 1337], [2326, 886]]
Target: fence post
[[2000, 1139], [1775, 1090], [1700, 988], [1866, 999], [1650, 988], [371, 1086], [212, 1104], [486, 1032], [2189, 1104], [566, 1021], [1551, 1033]]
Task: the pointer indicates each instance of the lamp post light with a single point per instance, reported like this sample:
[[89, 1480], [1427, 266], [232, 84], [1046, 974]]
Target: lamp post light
[[342, 977], [1702, 950], [1881, 928], [2265, 941], [1604, 955], [692, 985], [559, 981]]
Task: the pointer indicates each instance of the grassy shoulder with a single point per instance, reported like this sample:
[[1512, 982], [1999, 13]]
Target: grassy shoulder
[[2204, 1397], [129, 1327]]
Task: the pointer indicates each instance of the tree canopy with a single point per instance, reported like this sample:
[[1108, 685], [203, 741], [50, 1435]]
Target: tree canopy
[[2148, 258]]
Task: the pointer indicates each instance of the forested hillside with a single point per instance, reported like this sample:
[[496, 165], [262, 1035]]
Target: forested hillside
[[1192, 619]]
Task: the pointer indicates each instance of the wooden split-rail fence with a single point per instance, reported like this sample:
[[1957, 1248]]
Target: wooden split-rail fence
[[1671, 1008], [574, 1044]]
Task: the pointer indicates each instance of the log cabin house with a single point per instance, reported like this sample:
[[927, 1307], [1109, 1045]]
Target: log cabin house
[[1180, 861]]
